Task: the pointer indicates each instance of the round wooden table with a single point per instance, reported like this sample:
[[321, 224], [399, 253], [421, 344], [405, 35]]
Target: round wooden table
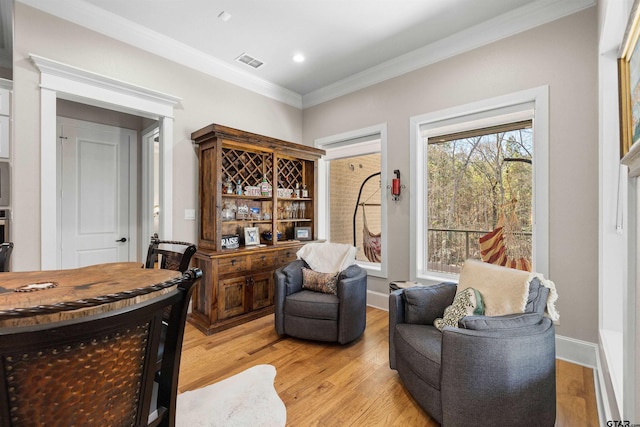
[[25, 293]]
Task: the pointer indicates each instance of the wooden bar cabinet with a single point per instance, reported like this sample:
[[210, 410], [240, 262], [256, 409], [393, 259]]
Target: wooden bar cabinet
[[236, 169]]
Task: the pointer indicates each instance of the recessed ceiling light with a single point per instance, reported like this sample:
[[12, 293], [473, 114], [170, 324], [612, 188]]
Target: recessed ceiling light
[[224, 16], [298, 57]]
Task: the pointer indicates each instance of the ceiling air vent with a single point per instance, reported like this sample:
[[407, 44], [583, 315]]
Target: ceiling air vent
[[249, 60]]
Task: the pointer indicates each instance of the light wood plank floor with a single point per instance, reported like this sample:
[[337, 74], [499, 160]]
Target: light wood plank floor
[[333, 385]]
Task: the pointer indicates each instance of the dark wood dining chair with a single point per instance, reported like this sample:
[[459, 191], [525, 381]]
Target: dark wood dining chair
[[97, 369], [169, 254], [5, 255]]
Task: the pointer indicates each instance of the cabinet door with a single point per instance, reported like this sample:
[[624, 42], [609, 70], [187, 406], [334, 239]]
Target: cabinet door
[[262, 290], [231, 297]]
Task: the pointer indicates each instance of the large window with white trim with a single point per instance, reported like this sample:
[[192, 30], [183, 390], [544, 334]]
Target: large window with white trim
[[480, 177]]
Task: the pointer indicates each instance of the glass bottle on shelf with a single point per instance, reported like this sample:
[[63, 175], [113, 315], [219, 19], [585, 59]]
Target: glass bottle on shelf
[[228, 186], [239, 188], [296, 192], [305, 192]]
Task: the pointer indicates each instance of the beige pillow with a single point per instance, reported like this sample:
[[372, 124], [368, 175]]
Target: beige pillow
[[504, 290]]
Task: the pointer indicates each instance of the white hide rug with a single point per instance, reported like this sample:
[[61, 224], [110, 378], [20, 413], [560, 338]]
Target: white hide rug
[[245, 399]]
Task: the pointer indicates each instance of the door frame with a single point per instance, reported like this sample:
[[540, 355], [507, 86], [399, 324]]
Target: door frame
[[58, 80], [132, 234], [148, 188]]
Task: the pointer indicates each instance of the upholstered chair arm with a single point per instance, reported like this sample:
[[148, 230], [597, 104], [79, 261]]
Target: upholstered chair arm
[[352, 293], [279, 293], [511, 369], [396, 316]]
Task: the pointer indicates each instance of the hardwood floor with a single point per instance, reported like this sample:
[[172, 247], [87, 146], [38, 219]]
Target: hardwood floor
[[333, 385]]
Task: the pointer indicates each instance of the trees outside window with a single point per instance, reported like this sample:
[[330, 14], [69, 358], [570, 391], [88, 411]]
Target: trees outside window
[[476, 181]]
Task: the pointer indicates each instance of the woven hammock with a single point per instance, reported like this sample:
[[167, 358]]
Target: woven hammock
[[371, 242], [495, 248]]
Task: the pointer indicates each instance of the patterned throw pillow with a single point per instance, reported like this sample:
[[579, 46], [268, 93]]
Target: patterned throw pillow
[[466, 303], [319, 282]]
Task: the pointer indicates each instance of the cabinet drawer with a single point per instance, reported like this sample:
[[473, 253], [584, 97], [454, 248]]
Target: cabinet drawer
[[232, 265], [286, 256], [262, 261]]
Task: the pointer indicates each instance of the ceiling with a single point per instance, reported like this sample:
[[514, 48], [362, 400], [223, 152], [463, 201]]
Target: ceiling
[[347, 44]]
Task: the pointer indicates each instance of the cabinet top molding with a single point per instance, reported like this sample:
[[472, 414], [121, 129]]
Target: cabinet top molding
[[266, 142]]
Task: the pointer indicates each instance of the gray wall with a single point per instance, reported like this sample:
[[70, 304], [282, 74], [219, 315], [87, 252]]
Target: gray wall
[[205, 100], [563, 55]]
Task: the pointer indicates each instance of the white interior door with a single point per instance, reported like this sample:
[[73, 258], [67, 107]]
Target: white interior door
[[97, 165]]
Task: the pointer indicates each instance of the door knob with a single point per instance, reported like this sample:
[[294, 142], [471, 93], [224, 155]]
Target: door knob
[[124, 239]]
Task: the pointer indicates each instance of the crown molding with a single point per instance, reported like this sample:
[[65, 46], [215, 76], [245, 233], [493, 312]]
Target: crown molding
[[55, 68], [111, 25], [502, 26]]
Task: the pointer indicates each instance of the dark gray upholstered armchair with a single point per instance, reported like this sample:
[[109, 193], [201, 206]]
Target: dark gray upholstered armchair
[[491, 371], [318, 316]]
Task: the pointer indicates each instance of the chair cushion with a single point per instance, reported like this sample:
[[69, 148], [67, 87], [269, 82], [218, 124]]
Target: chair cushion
[[320, 282], [466, 303], [315, 305], [420, 346], [509, 321], [424, 304]]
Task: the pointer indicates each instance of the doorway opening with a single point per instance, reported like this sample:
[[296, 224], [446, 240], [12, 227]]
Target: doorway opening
[[61, 81]]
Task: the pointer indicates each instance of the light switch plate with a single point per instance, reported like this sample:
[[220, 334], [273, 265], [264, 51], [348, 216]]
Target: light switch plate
[[190, 214]]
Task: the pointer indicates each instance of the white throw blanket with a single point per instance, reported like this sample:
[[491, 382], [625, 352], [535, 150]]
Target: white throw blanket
[[328, 257], [504, 290]]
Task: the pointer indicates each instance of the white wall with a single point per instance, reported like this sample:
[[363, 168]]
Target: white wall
[[562, 55], [205, 100]]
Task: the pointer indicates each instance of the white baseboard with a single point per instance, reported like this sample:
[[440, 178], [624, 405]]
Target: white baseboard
[[378, 300], [580, 352]]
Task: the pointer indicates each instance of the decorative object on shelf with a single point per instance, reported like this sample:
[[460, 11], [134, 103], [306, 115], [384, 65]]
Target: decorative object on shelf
[[296, 192], [265, 187], [305, 192], [302, 233], [228, 211], [251, 236], [255, 213], [230, 241], [239, 188], [243, 212], [228, 186], [268, 235], [251, 191]]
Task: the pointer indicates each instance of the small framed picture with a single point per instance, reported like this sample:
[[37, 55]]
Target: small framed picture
[[251, 236], [302, 233]]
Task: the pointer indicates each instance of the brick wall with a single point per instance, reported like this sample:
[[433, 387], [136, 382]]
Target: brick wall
[[346, 177]]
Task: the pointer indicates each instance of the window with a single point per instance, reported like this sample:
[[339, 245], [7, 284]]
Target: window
[[351, 209], [480, 174], [479, 184]]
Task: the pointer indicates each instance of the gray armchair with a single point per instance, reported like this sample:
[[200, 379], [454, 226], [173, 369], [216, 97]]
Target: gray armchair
[[319, 316], [490, 371]]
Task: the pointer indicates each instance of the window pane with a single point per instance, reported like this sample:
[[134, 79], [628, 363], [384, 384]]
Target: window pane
[[347, 176], [476, 185]]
